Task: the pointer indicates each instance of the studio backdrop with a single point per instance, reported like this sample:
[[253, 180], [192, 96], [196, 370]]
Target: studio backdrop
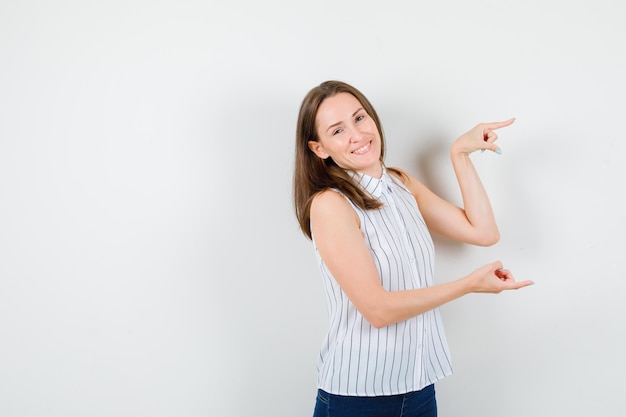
[[150, 260]]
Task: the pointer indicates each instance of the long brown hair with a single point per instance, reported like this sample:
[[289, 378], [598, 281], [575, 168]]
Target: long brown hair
[[313, 174]]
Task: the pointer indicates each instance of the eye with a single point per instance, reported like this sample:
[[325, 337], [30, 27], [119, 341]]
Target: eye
[[337, 131], [360, 117]]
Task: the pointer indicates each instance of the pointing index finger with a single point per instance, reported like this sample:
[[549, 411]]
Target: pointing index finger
[[498, 125]]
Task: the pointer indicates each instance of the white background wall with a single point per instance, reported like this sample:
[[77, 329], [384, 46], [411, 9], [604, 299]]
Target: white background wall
[[150, 261]]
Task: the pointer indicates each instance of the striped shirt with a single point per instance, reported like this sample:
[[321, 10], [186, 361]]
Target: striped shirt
[[359, 359]]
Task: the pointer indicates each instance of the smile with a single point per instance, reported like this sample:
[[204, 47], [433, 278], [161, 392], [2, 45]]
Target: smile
[[363, 149]]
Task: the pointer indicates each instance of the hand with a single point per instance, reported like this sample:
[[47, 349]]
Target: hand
[[481, 136], [492, 278]]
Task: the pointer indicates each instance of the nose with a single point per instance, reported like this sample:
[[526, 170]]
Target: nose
[[356, 135]]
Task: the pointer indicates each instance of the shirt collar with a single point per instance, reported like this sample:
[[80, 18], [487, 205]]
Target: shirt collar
[[375, 186]]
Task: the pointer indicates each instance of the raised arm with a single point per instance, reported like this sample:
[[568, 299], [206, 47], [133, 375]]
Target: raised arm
[[338, 238], [473, 223]]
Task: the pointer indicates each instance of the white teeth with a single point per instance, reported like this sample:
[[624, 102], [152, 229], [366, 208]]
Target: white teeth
[[361, 149]]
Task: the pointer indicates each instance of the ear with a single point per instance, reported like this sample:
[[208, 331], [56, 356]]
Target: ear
[[317, 149]]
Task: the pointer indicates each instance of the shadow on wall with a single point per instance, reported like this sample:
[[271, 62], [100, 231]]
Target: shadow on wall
[[429, 162], [513, 204]]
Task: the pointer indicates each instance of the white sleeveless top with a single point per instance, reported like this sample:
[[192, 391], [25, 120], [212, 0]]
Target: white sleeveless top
[[359, 359]]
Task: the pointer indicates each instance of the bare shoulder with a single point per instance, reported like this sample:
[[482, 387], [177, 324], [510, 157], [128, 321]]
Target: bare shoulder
[[409, 181], [329, 201], [330, 206], [406, 178]]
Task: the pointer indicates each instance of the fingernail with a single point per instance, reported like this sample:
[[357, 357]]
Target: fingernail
[[498, 151]]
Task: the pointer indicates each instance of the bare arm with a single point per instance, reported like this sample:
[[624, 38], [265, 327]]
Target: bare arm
[[336, 231], [474, 223]]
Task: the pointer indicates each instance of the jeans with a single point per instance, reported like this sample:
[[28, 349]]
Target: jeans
[[413, 404]]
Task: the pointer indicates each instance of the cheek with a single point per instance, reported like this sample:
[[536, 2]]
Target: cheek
[[335, 142]]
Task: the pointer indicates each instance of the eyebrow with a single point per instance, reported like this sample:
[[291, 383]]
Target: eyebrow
[[338, 123]]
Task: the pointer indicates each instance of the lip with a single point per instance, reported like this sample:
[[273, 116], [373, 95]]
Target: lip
[[363, 149]]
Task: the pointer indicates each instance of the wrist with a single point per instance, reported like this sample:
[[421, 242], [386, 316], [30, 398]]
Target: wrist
[[457, 149], [457, 154], [465, 285]]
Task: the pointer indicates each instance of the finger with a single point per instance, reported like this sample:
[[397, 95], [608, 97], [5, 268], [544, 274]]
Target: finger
[[503, 274], [489, 135], [497, 265], [523, 284], [498, 125], [518, 285]]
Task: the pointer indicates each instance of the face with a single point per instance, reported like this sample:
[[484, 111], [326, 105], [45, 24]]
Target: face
[[348, 135]]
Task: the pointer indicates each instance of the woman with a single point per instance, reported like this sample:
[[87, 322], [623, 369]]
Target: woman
[[370, 226]]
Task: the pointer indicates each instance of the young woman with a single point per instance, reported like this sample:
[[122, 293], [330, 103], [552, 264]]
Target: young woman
[[370, 226]]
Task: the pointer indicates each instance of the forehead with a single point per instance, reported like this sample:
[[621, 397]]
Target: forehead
[[337, 108]]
